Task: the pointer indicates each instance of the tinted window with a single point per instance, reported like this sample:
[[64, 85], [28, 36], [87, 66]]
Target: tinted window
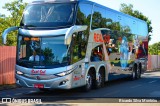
[[110, 40], [142, 29], [107, 18], [83, 18], [84, 14], [98, 18], [121, 20], [35, 51], [117, 21], [110, 16], [97, 54], [48, 15]]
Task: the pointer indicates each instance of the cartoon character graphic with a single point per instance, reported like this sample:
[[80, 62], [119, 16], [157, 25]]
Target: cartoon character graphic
[[142, 52], [130, 49], [124, 53], [136, 45]]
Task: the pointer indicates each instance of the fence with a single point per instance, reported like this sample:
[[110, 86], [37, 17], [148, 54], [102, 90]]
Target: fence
[[8, 56], [153, 62], [7, 64]]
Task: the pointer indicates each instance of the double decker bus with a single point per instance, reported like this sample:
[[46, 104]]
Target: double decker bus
[[64, 44]]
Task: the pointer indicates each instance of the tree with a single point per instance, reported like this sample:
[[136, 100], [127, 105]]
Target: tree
[[49, 56], [154, 49], [16, 9], [128, 9]]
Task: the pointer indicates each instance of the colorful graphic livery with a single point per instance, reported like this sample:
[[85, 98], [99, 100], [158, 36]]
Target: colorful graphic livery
[[63, 44]]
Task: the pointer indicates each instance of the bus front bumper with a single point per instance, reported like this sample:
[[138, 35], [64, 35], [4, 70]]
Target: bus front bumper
[[56, 83]]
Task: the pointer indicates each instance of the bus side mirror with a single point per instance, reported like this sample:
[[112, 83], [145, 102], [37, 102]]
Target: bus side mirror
[[5, 33]]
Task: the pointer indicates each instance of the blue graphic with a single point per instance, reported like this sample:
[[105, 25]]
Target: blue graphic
[[124, 53]]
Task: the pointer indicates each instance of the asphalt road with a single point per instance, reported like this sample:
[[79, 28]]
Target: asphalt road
[[148, 88]]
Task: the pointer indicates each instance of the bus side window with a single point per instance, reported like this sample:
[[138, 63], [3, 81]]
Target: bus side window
[[98, 18], [84, 14], [97, 54]]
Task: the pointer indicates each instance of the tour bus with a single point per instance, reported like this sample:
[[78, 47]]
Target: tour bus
[[64, 44]]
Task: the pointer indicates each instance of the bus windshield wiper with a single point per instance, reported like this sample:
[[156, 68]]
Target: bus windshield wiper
[[29, 26]]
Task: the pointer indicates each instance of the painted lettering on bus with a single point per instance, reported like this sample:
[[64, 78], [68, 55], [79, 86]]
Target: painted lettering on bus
[[98, 37], [101, 38], [41, 72], [76, 78]]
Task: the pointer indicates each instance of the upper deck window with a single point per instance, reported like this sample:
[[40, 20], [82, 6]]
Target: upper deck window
[[84, 14], [48, 15], [98, 18]]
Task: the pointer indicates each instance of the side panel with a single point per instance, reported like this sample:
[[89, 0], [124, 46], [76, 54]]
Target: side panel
[[121, 52], [78, 74], [124, 37]]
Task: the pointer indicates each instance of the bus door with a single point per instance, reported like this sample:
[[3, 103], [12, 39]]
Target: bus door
[[78, 52]]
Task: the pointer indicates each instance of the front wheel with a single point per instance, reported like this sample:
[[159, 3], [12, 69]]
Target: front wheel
[[89, 82], [100, 81]]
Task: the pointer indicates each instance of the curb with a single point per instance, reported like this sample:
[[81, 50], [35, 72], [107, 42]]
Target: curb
[[8, 87], [150, 71]]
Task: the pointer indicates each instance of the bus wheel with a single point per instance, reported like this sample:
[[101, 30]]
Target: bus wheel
[[100, 80], [89, 82], [134, 73], [139, 72]]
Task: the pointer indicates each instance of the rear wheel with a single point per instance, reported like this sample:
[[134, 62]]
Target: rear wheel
[[101, 79], [139, 72], [134, 73]]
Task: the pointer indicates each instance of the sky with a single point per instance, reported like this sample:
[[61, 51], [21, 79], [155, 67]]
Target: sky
[[149, 8]]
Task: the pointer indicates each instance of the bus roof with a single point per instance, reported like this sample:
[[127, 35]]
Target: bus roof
[[115, 11], [102, 6], [51, 1]]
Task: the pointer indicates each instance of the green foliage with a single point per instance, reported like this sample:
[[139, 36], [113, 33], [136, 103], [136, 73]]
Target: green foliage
[[16, 10], [49, 55], [154, 49], [114, 26], [100, 22], [128, 9]]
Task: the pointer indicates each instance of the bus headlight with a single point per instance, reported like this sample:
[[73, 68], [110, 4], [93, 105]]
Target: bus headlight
[[19, 72], [64, 73]]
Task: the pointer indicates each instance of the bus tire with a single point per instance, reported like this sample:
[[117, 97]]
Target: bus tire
[[101, 79], [89, 82], [134, 73], [139, 68]]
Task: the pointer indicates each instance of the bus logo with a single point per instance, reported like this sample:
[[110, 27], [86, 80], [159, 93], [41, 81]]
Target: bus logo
[[41, 72], [98, 37]]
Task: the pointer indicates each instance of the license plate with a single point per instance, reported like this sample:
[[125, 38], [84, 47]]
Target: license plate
[[38, 86]]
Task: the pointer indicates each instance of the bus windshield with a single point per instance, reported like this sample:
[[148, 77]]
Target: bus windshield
[[48, 15], [49, 52]]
